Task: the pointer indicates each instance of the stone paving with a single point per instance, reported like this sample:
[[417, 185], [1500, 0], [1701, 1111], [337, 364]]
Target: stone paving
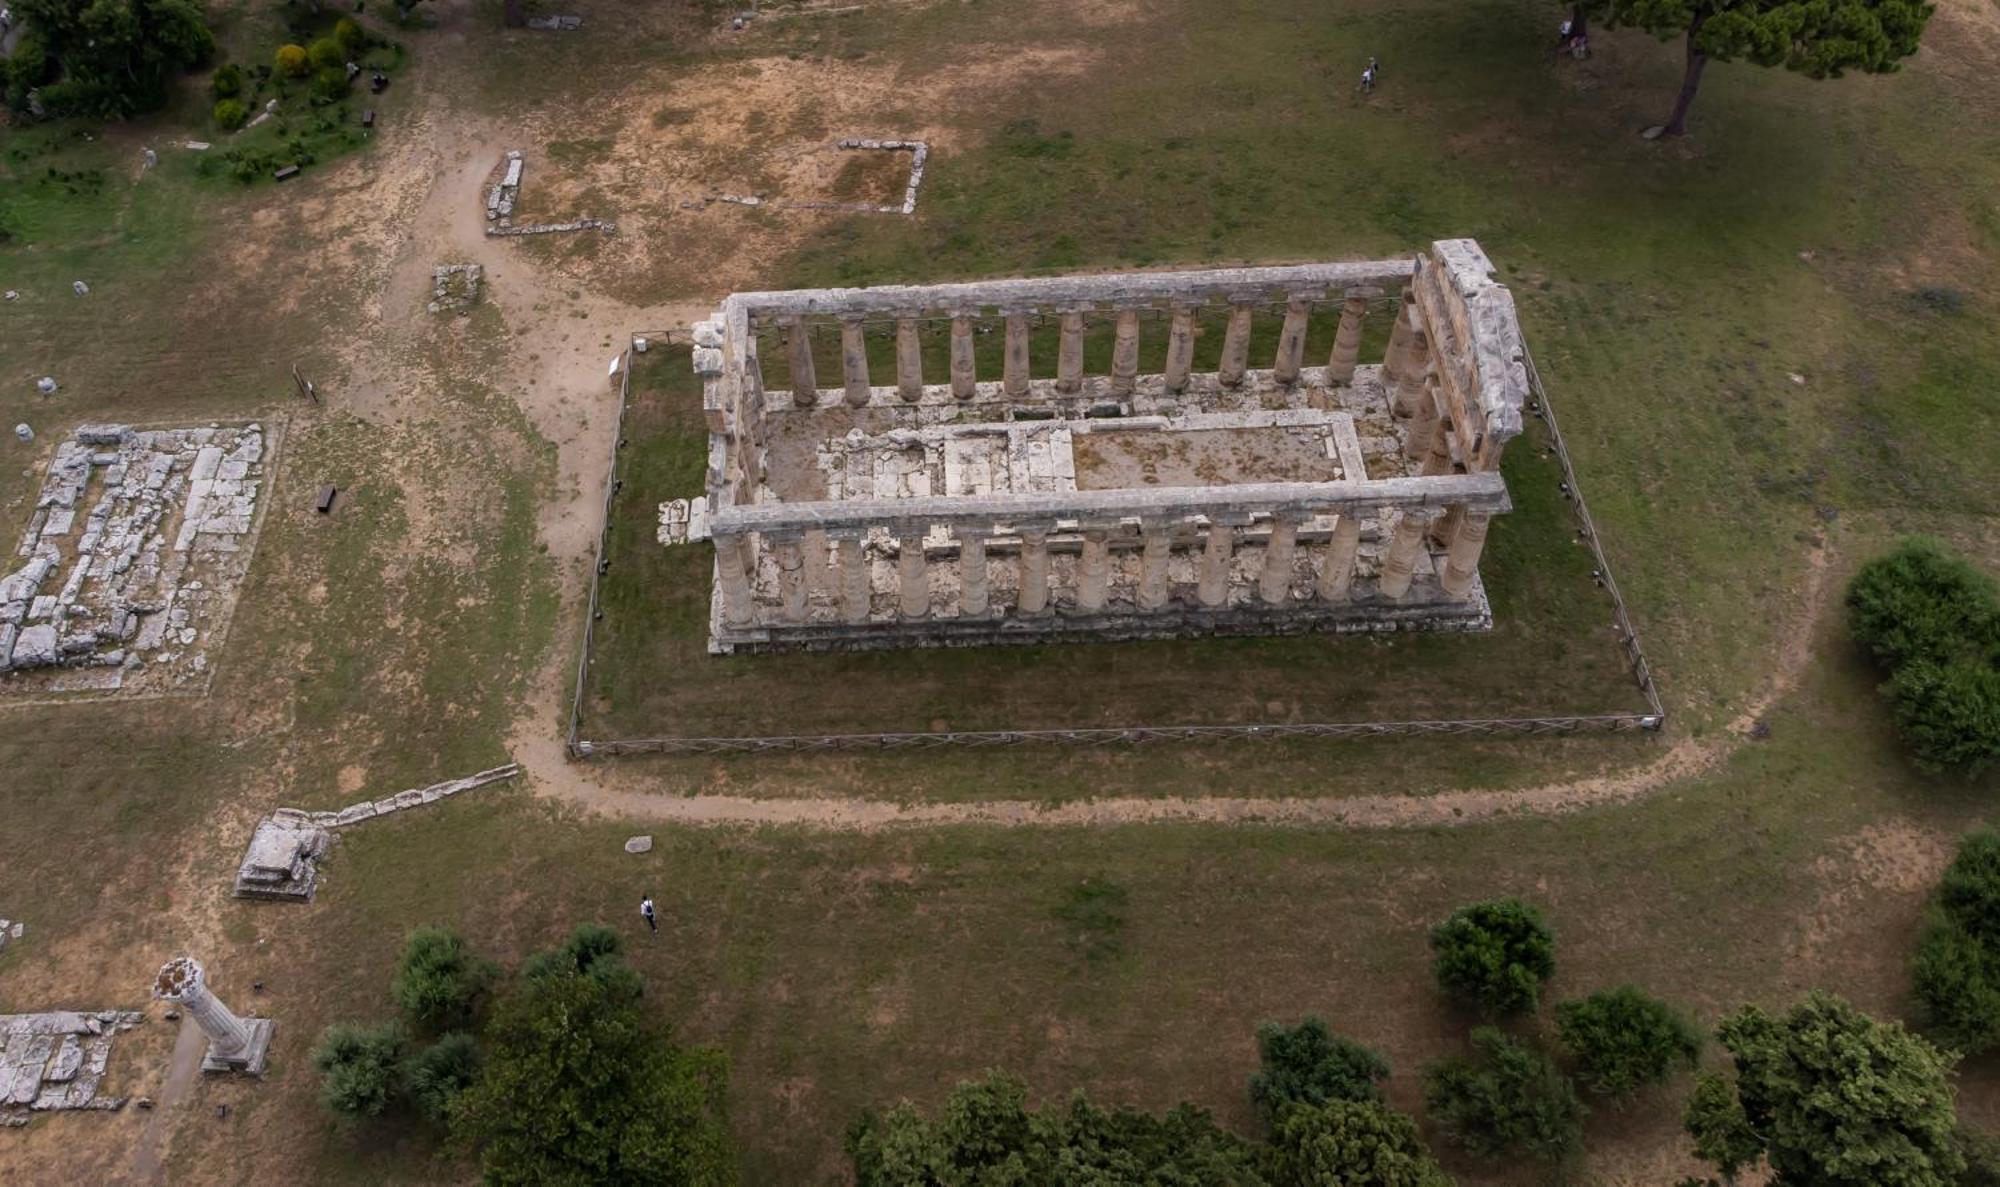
[[56, 1060], [132, 558]]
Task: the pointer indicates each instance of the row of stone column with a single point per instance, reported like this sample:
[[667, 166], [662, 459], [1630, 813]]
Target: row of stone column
[[1461, 533], [1233, 370]]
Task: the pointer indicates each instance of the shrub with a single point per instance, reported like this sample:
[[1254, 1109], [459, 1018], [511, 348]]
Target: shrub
[[437, 1074], [1351, 1143], [292, 61], [1722, 1134], [439, 982], [1494, 955], [1624, 1041], [358, 1067], [1957, 965], [1508, 1097], [329, 86], [326, 54], [227, 83], [350, 38], [1919, 602], [230, 114], [1949, 714], [1308, 1064]]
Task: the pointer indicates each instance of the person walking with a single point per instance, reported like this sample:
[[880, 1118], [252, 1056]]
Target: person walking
[[646, 910]]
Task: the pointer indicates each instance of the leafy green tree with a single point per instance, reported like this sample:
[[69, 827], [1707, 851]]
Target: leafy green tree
[[439, 1073], [1308, 1064], [358, 1067], [230, 114], [1722, 1134], [1833, 1098], [1624, 1040], [1957, 966], [105, 59], [350, 38], [988, 1134], [326, 54], [1920, 602], [1507, 1097], [1494, 955], [1816, 38], [1351, 1143], [1949, 714], [292, 61], [226, 82], [440, 981], [577, 1087]]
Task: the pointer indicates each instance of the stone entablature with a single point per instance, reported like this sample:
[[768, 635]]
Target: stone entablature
[[1016, 508]]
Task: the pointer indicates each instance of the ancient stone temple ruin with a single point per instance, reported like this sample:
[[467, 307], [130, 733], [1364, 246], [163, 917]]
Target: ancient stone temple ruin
[[972, 508]]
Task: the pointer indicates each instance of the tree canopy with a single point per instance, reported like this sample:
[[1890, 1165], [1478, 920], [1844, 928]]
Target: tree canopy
[[1624, 1040], [1351, 1143], [1308, 1064], [1817, 38], [1494, 955], [107, 59], [1509, 1096]]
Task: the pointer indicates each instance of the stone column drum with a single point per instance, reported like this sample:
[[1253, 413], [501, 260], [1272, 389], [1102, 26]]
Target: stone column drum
[[234, 1044]]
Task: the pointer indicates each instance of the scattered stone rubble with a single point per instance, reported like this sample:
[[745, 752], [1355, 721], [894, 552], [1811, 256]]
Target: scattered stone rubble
[[11, 930], [500, 199], [581, 224], [133, 556], [555, 23], [455, 286], [505, 192], [56, 1060], [282, 860], [683, 521]]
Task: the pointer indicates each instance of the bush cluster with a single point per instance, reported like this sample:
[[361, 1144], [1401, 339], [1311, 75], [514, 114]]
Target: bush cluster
[[1308, 1064], [292, 61], [1957, 966], [1508, 1097], [1624, 1040], [1494, 956], [230, 114], [1932, 623]]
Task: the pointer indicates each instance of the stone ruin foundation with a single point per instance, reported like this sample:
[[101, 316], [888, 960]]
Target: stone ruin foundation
[[1349, 496], [132, 559], [56, 1060]]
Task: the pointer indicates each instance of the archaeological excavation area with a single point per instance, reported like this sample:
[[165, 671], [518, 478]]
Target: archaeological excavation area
[[1274, 494]]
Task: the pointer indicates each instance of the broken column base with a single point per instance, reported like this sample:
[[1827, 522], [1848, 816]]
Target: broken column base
[[249, 1058]]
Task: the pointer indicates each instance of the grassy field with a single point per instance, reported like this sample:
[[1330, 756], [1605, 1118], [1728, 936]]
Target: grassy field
[[1775, 333]]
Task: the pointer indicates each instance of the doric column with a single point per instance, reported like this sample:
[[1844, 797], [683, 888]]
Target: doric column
[[1336, 570], [1397, 357], [1154, 587], [1069, 354], [1014, 369], [1274, 583], [733, 557], [851, 559], [972, 584], [1292, 341], [805, 385], [1437, 458], [233, 1043], [791, 577], [909, 360], [1461, 560], [1180, 348], [1094, 570], [1217, 550], [964, 370], [1347, 341], [1125, 354], [1421, 434], [1415, 374], [1236, 344], [1405, 548], [1034, 596], [854, 361], [913, 581]]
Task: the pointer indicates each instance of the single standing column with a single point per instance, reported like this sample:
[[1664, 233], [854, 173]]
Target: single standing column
[[964, 370], [1336, 570], [1292, 341], [854, 361], [1236, 345], [805, 385], [1274, 584], [1421, 435], [851, 558], [1014, 372], [1397, 357], [1461, 560], [792, 577], [234, 1044], [1154, 589], [1213, 588], [972, 584], [733, 557], [1125, 354], [1415, 375], [1437, 457], [1034, 569], [1094, 570], [909, 360], [1069, 354], [1180, 348], [1347, 341], [1405, 548], [913, 579]]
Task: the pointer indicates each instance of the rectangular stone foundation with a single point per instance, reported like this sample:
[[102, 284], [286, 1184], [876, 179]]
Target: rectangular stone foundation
[[252, 1058]]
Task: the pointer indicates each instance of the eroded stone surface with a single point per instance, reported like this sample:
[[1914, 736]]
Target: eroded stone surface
[[56, 1060]]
